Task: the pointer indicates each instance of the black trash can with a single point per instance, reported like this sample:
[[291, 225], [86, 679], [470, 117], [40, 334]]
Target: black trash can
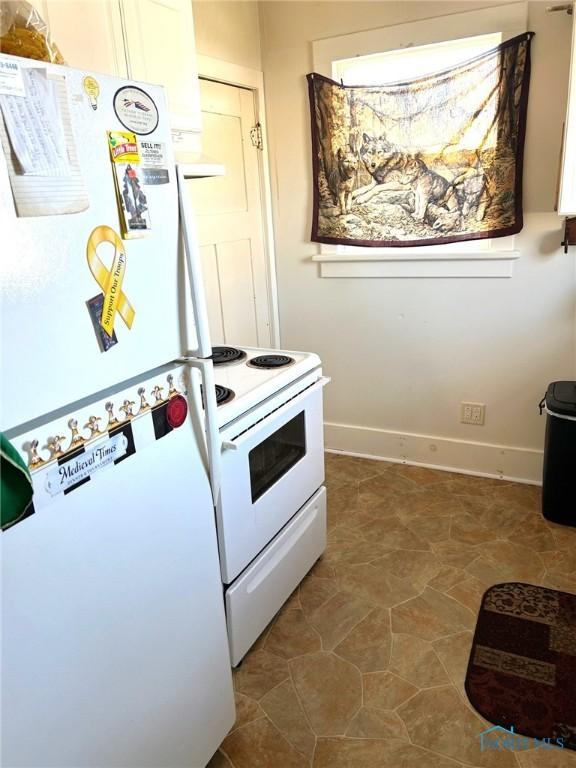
[[559, 479]]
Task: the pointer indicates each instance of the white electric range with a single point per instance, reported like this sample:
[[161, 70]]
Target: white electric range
[[267, 465]]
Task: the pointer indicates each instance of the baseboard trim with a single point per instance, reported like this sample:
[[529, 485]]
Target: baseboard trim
[[521, 465]]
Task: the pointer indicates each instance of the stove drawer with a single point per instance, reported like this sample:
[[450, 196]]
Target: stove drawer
[[259, 592]]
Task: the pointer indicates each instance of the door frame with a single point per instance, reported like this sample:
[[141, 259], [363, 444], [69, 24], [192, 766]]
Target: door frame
[[253, 80]]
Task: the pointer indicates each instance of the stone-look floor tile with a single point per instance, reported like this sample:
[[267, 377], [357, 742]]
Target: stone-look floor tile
[[438, 719], [391, 534], [337, 617], [562, 583], [415, 566], [467, 529], [261, 745], [285, 711], [368, 644], [293, 601], [444, 507], [341, 503], [414, 660], [315, 591], [343, 534], [564, 536], [247, 710], [431, 615], [377, 724], [501, 518], [485, 571], [547, 758], [562, 562], [441, 497], [399, 506], [479, 505], [260, 672], [374, 585], [422, 476], [387, 484], [353, 468], [259, 643], [376, 753], [358, 753], [322, 569], [384, 690], [330, 690], [528, 497], [513, 561], [430, 528], [469, 592], [354, 553], [454, 652], [219, 760], [470, 485], [534, 534], [447, 578], [455, 553], [292, 636]]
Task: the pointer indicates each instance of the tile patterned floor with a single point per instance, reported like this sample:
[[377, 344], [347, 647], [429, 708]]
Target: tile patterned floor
[[364, 665]]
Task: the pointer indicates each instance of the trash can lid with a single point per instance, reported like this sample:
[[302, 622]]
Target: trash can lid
[[561, 397]]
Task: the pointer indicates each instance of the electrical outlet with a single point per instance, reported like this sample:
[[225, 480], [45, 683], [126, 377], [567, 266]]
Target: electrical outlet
[[473, 413]]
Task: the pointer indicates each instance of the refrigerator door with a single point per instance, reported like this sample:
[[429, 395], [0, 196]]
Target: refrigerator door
[[47, 276], [114, 649]]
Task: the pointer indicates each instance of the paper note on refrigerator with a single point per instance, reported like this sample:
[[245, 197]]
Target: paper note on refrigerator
[[35, 127], [47, 195]]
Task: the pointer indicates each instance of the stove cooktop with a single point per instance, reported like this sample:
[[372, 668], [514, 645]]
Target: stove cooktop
[[252, 384]]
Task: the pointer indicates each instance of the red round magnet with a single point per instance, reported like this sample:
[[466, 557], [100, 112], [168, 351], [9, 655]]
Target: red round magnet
[[176, 411]]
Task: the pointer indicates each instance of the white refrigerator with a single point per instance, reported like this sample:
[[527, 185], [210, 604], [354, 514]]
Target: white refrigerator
[[114, 645]]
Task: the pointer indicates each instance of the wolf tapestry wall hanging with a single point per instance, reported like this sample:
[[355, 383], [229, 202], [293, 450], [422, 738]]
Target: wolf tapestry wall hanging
[[433, 160]]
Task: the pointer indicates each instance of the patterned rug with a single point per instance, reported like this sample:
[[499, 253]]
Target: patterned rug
[[522, 669]]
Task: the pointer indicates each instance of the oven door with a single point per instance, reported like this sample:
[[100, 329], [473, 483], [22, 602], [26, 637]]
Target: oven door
[[268, 471]]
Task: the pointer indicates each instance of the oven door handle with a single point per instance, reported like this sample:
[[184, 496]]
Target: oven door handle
[[237, 443]]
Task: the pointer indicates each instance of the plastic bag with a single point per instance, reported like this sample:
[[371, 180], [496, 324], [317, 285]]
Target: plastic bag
[[23, 32]]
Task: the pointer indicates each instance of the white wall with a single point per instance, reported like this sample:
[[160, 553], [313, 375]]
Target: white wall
[[228, 30], [403, 353]]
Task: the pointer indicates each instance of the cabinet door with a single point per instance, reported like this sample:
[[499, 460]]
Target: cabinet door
[[567, 200], [88, 33], [160, 49]]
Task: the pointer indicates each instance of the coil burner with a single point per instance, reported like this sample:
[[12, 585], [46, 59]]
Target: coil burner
[[270, 361], [222, 355]]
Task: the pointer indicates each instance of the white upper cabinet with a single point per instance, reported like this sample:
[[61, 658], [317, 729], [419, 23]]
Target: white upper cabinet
[[567, 199], [88, 33], [149, 40], [160, 49]]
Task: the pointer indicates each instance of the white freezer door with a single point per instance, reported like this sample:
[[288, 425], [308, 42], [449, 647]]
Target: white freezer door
[[114, 640], [46, 330]]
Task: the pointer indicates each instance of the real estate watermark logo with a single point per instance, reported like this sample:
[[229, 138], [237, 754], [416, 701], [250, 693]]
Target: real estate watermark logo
[[499, 738]]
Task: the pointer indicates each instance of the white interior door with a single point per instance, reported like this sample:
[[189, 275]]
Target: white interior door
[[230, 220]]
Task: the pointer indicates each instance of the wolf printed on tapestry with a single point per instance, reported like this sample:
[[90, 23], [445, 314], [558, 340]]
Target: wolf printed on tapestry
[[432, 160]]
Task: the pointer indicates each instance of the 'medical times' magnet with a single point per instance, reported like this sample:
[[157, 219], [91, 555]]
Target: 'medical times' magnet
[[135, 110]]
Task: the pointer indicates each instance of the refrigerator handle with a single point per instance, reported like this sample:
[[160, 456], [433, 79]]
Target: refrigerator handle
[[212, 433], [191, 248]]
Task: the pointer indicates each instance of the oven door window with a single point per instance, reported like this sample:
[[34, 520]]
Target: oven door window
[[273, 457]]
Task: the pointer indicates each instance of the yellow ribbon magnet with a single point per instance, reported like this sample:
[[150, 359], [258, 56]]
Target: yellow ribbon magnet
[[110, 280]]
